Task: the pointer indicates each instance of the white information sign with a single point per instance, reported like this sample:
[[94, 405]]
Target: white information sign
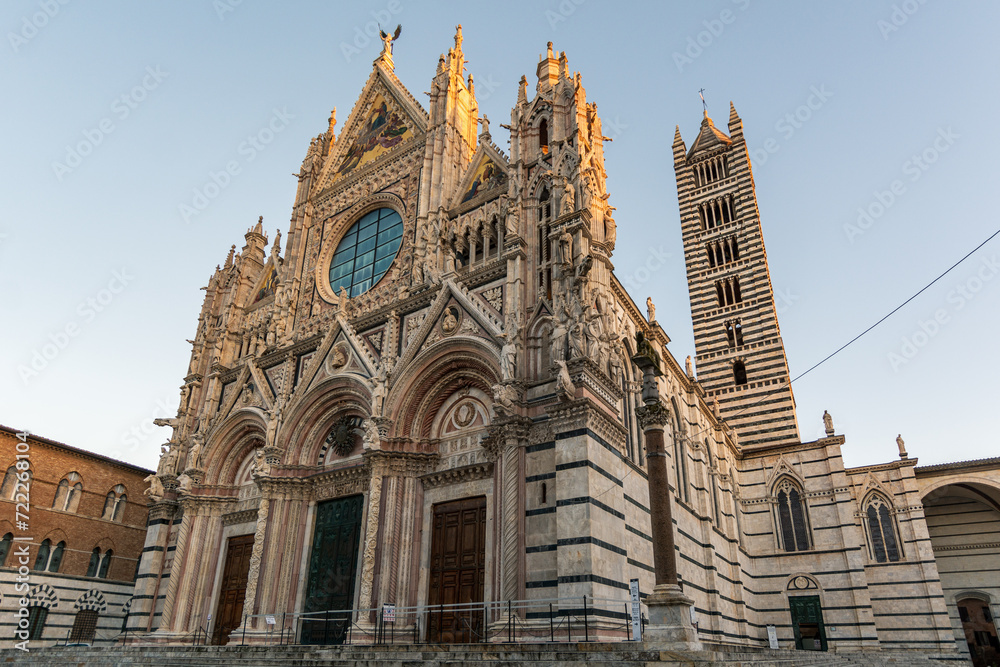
[[772, 636], [269, 619], [633, 586], [389, 613]]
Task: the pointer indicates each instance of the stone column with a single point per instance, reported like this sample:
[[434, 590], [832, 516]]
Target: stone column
[[177, 572], [366, 599], [253, 576], [502, 445], [669, 609]]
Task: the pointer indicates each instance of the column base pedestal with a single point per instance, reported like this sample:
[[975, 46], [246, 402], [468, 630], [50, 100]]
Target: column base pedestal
[[670, 620]]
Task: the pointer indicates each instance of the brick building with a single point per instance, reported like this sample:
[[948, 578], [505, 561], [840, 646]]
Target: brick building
[[86, 527]]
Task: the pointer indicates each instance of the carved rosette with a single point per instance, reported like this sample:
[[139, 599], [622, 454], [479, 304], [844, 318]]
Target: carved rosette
[[653, 415]]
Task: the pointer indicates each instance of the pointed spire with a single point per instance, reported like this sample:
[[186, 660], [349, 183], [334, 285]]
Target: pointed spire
[[229, 257], [333, 123], [522, 90], [677, 136], [259, 227], [735, 122]]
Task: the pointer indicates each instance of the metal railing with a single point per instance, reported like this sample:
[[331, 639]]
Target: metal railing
[[544, 620]]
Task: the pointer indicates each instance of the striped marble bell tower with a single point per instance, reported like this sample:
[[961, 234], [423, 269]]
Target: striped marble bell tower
[[740, 357]]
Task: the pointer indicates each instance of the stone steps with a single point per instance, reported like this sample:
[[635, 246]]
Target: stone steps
[[457, 655]]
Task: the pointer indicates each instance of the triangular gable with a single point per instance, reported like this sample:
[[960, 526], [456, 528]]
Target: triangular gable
[[487, 172], [341, 351], [783, 468], [870, 485], [384, 117], [453, 296]]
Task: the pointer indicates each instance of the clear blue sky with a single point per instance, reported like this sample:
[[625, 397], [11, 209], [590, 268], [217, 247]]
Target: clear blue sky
[[103, 272]]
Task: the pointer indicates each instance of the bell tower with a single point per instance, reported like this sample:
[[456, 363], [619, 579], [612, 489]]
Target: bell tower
[[740, 356]]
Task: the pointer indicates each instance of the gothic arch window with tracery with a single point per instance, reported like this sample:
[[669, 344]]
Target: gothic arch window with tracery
[[792, 519], [883, 543]]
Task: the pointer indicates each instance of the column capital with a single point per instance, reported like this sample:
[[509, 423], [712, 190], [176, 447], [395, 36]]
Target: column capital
[[653, 414]]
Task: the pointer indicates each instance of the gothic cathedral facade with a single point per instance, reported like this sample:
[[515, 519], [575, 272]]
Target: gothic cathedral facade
[[426, 398]]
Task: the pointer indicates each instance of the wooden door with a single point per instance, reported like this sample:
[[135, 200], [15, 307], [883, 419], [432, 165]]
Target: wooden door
[[332, 570], [458, 570], [807, 622], [229, 611]]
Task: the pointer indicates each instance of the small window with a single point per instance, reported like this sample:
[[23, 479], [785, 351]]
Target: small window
[[95, 562], [114, 504], [9, 482], [963, 613], [8, 539], [42, 559], [84, 626], [739, 373], [105, 564], [36, 622], [543, 136], [57, 555]]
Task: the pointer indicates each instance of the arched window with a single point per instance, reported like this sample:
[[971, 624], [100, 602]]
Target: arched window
[[9, 481], [95, 562], [44, 551], [57, 555], [114, 504], [36, 622], [881, 530], [543, 136], [68, 493], [739, 373], [105, 564], [8, 539], [84, 626], [792, 523]]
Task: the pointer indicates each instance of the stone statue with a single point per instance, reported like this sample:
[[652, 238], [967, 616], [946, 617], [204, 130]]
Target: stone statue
[[274, 421], [184, 482], [155, 490], [194, 454], [689, 367], [564, 383], [485, 122], [508, 356], [617, 370], [510, 221], [610, 228], [168, 460], [342, 301], [564, 249], [569, 197], [902, 448], [371, 438], [650, 310], [503, 398], [828, 423], [260, 467], [380, 388], [558, 337], [163, 421]]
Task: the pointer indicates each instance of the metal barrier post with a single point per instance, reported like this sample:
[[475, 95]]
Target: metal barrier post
[[628, 632], [552, 630], [244, 640], [510, 627], [586, 625], [326, 628]]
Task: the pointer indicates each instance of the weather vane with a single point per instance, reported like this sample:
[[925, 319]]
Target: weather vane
[[704, 104]]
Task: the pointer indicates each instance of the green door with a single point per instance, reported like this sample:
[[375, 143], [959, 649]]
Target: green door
[[807, 623], [332, 570]]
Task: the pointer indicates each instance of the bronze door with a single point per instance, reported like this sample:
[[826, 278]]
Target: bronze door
[[229, 612], [332, 570], [458, 557]]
